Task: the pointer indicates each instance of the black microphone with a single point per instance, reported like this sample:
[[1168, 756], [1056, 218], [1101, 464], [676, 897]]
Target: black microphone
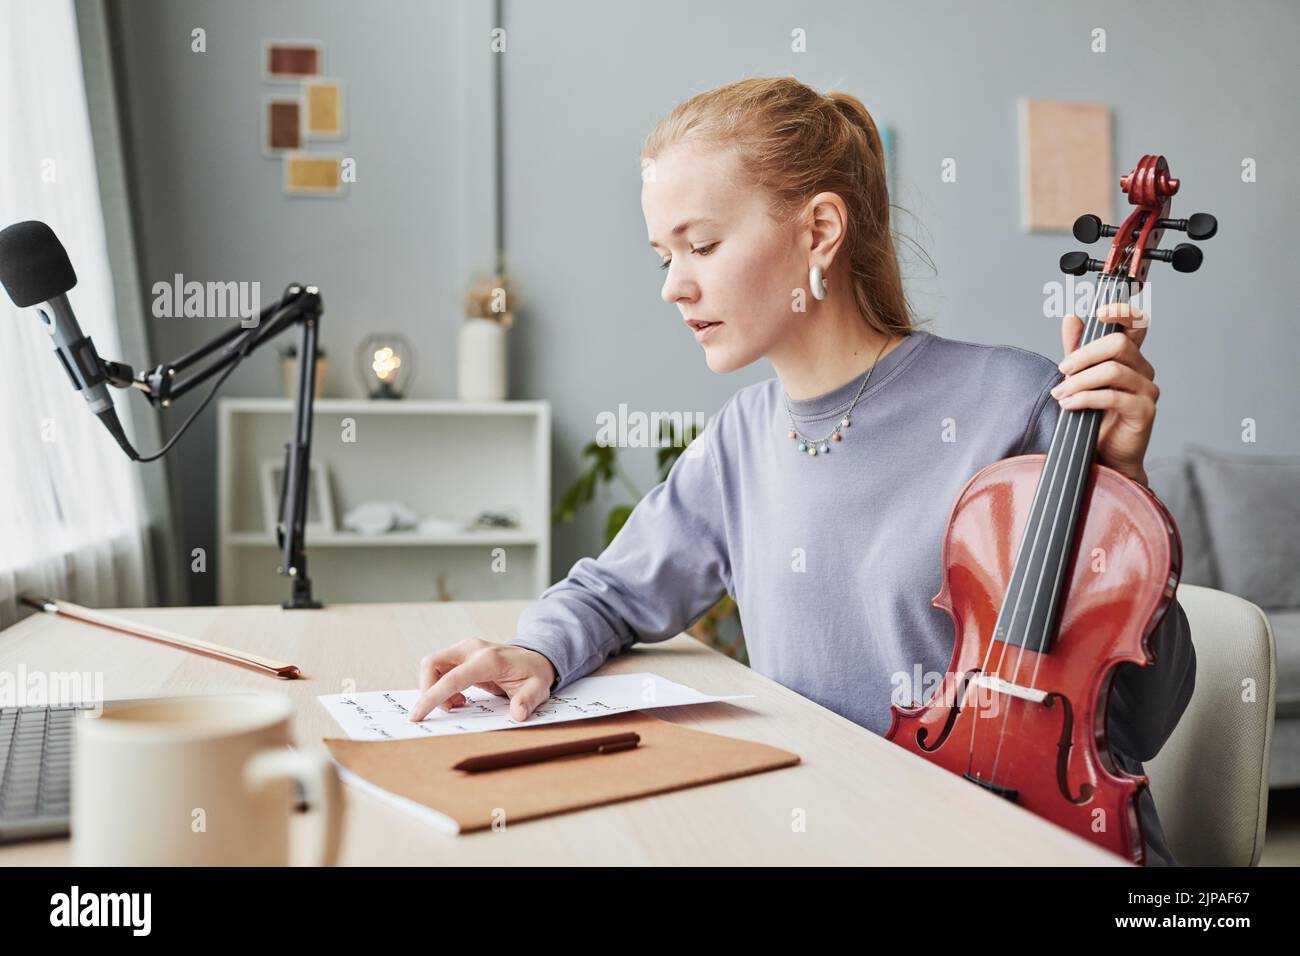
[[35, 271]]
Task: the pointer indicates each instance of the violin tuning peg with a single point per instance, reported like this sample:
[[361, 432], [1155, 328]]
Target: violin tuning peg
[[1200, 226], [1184, 257], [1077, 263], [1187, 257], [1087, 228]]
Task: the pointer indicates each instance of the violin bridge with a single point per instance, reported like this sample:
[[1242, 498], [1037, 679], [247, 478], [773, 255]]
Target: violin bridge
[[996, 683]]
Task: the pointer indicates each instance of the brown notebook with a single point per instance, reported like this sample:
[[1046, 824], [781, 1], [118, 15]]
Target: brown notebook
[[669, 757]]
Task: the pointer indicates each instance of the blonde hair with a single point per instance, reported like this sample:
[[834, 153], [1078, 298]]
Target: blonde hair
[[793, 142]]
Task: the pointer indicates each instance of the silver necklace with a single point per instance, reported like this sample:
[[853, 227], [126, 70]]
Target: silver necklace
[[812, 446]]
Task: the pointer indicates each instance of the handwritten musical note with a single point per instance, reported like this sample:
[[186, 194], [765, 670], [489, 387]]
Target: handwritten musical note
[[385, 715]]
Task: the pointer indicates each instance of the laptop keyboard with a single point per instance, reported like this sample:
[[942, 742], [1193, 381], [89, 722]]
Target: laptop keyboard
[[36, 770]]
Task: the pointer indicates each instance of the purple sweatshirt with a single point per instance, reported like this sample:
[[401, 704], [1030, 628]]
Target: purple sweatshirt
[[832, 560]]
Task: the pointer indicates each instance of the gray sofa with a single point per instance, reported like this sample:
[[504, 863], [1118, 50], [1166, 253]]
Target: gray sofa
[[1239, 519]]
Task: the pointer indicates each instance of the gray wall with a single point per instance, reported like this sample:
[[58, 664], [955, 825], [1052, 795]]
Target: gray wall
[[391, 256], [1207, 84]]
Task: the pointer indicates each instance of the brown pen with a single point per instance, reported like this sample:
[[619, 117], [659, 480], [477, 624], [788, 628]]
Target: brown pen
[[611, 743]]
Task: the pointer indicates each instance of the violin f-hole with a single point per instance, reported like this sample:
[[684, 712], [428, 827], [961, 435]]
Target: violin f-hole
[[953, 712], [1064, 745]]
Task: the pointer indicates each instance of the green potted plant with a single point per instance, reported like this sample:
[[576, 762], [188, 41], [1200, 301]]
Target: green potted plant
[[719, 628]]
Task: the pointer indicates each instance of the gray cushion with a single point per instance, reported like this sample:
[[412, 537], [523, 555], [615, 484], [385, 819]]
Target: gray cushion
[[1252, 514], [1286, 636], [1171, 480]]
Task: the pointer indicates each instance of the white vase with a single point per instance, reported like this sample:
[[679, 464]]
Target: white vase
[[482, 361]]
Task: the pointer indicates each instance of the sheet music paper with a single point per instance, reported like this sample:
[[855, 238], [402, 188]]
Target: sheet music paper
[[384, 715]]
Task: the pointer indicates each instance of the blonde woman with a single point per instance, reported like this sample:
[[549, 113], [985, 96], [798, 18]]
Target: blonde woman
[[818, 499]]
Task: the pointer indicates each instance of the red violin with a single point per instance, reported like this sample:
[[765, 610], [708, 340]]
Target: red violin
[[1055, 571]]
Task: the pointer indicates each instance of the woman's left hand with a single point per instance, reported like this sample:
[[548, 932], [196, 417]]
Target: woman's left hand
[[1112, 374]]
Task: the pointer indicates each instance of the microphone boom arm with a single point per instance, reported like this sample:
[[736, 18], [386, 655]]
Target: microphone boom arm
[[301, 306]]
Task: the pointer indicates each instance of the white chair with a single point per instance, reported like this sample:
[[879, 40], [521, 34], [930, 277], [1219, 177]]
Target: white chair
[[1210, 781]]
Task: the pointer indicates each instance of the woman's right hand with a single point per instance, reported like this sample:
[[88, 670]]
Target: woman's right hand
[[523, 675]]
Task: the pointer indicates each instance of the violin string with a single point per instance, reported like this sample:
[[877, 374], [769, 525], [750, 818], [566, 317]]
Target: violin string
[[1060, 435], [1108, 283], [1065, 428], [1066, 464], [1087, 418], [1091, 422]]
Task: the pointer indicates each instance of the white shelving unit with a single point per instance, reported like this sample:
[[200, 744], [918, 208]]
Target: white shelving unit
[[436, 457]]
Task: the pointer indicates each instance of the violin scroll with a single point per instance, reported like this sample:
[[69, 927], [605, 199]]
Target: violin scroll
[[1137, 241]]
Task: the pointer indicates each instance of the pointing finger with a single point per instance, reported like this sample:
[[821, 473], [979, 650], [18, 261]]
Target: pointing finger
[[482, 665]]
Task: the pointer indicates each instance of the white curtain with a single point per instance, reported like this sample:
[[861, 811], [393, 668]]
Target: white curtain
[[72, 520]]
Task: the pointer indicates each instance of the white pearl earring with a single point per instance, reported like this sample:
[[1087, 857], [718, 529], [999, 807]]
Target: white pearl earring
[[817, 283]]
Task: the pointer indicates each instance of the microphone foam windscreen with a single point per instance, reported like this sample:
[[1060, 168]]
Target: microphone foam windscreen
[[34, 266]]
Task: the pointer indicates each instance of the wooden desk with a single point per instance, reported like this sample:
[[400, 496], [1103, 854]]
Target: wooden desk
[[862, 800]]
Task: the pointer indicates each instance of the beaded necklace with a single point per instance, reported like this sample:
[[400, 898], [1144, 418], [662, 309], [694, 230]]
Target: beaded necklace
[[813, 445]]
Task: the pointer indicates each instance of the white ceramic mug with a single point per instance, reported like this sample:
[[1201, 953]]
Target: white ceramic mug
[[197, 781]]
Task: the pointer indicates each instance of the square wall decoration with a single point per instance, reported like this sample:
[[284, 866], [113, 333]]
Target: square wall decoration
[[291, 60], [308, 108], [1067, 165], [281, 125], [324, 102], [313, 174]]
